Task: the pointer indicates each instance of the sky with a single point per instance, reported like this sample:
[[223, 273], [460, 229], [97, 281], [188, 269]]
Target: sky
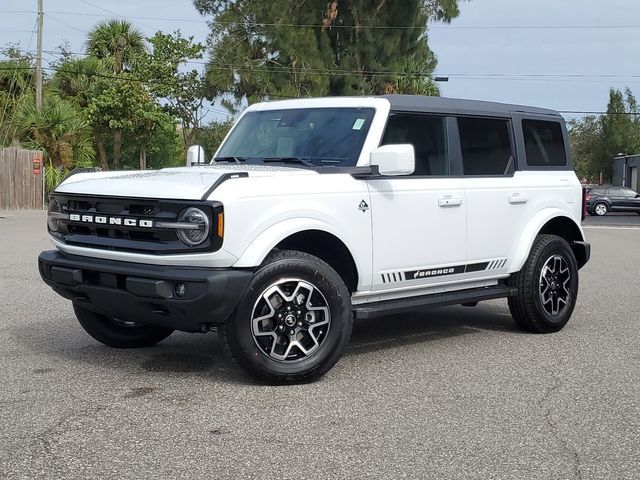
[[559, 54]]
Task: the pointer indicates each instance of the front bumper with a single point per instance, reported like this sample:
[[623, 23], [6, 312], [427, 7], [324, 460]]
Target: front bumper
[[146, 293]]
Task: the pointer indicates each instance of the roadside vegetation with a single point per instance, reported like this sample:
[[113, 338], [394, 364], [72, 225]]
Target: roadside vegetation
[[597, 139], [129, 102]]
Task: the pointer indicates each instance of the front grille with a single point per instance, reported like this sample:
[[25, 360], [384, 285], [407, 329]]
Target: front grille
[[131, 237]]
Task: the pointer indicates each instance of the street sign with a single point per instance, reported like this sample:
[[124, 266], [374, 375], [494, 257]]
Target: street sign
[[37, 164]]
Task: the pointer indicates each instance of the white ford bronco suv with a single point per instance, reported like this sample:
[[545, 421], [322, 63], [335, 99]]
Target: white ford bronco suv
[[316, 212]]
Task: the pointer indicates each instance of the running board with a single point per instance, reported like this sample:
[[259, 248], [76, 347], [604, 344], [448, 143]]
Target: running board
[[411, 304]]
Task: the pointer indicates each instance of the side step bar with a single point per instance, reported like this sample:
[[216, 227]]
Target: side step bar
[[412, 304]]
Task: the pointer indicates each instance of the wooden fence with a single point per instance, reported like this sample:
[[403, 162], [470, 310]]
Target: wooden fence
[[20, 187]]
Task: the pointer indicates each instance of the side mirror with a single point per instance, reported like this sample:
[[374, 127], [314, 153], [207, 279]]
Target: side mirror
[[394, 160], [195, 156]]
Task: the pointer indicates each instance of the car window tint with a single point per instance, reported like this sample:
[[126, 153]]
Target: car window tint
[[486, 146], [615, 191], [427, 134], [627, 192], [544, 143]]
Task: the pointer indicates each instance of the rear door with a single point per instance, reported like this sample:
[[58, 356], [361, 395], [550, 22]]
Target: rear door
[[503, 198], [616, 198], [630, 199], [497, 206]]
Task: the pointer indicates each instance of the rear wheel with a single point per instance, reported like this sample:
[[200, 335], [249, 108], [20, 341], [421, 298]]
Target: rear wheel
[[119, 333], [293, 322], [600, 209], [547, 286]]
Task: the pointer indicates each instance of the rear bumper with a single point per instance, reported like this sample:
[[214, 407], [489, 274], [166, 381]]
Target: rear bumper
[[146, 293], [582, 252]]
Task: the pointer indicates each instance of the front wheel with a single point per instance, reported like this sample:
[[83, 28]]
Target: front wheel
[[547, 286], [119, 333], [293, 322]]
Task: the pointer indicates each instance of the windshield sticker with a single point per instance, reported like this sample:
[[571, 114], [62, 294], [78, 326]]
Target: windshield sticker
[[358, 124]]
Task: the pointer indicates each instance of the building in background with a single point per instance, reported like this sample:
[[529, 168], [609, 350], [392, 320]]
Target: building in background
[[625, 171]]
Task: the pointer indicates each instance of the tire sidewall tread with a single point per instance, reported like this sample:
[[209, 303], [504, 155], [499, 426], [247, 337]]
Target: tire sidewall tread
[[525, 306], [105, 331], [238, 338]]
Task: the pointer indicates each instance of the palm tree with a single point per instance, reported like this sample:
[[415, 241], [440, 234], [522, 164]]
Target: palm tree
[[58, 130], [16, 81], [119, 45], [77, 80]]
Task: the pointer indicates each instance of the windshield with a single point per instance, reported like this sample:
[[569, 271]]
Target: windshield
[[304, 136]]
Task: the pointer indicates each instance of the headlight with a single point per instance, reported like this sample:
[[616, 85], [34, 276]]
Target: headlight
[[197, 235], [53, 219]]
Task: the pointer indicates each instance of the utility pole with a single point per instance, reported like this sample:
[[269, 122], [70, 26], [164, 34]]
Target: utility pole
[[39, 58]]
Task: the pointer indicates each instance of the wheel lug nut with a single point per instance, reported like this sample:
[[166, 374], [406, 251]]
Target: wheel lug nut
[[292, 332], [299, 324]]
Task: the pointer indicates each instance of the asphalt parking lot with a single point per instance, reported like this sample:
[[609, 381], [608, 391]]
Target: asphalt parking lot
[[452, 393]]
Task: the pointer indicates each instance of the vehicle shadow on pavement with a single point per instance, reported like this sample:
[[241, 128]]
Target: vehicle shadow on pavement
[[204, 356], [182, 354], [427, 326]]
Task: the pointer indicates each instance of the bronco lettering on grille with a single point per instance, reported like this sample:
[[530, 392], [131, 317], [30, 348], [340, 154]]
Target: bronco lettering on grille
[[104, 220]]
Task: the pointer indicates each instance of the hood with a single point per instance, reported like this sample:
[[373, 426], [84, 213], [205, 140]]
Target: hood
[[170, 183]]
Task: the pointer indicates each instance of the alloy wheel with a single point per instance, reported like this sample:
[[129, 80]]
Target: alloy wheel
[[555, 279], [290, 320]]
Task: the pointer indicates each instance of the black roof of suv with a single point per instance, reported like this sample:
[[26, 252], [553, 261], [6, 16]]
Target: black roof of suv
[[459, 106]]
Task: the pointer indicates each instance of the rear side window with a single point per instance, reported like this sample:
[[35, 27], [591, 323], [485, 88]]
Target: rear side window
[[544, 143], [486, 146], [427, 134]]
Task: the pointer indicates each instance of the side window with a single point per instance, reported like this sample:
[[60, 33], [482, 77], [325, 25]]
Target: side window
[[486, 146], [615, 191], [544, 143], [627, 192], [427, 134]]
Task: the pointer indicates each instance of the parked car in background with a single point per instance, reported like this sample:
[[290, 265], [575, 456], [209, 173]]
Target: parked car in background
[[608, 198]]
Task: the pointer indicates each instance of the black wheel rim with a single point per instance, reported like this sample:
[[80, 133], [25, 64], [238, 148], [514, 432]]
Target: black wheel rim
[[290, 320], [555, 285]]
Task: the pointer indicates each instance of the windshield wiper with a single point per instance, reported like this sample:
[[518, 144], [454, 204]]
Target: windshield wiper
[[299, 160], [229, 159]]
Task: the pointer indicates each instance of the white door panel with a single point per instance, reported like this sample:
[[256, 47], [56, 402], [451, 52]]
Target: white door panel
[[418, 223], [499, 209]]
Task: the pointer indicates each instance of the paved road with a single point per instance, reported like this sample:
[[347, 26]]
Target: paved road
[[457, 393], [614, 219]]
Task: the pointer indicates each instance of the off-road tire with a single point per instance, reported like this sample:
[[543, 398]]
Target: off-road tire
[[526, 306], [119, 334], [237, 332]]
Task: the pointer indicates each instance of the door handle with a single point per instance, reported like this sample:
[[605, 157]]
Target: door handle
[[518, 198], [449, 201]]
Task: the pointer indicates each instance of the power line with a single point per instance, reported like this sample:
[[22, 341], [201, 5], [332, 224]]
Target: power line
[[332, 71], [62, 22], [115, 13], [319, 25]]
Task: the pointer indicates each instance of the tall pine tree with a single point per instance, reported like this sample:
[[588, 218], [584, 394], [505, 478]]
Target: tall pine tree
[[285, 48]]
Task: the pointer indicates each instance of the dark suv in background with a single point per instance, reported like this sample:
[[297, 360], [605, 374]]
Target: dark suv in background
[[604, 198]]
